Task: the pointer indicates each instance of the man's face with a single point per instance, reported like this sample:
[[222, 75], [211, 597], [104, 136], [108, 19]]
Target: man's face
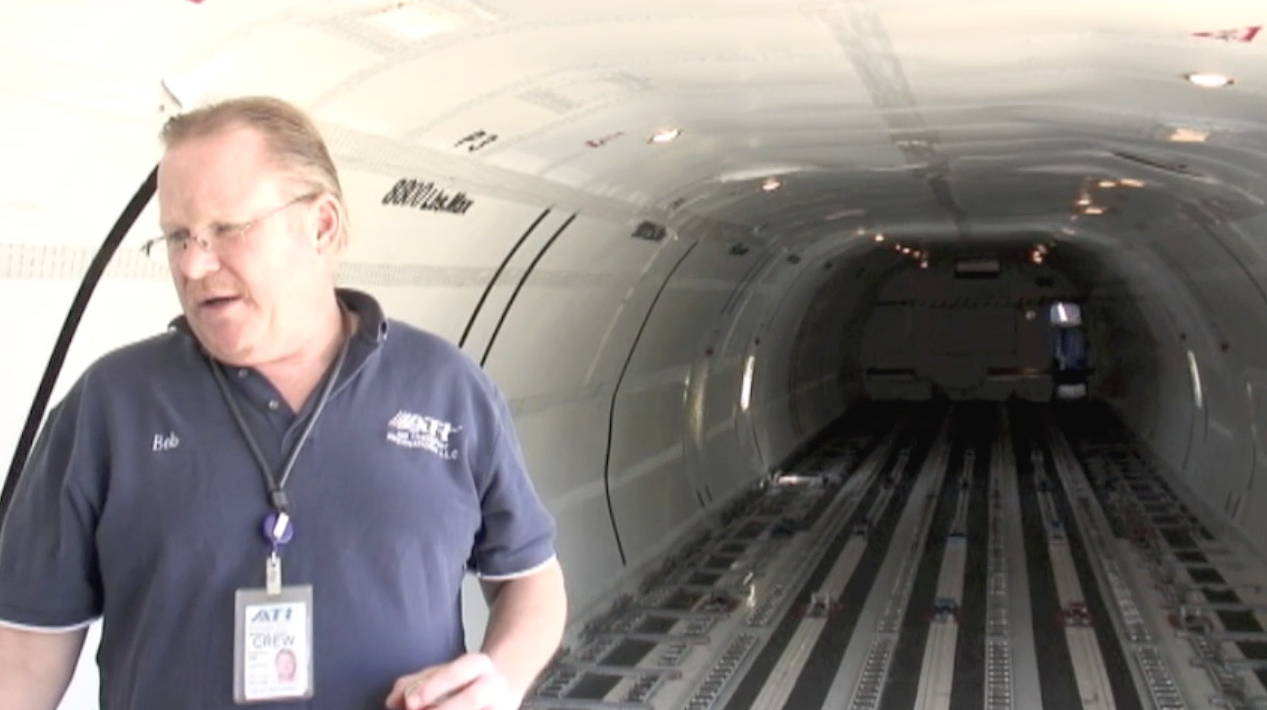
[[285, 665], [250, 297]]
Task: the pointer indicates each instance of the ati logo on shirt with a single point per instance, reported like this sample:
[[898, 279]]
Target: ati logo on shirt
[[414, 431]]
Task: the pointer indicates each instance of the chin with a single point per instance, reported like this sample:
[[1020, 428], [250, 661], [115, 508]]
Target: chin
[[234, 356], [231, 347]]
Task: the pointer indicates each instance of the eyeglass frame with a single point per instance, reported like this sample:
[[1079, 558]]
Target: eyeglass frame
[[238, 230]]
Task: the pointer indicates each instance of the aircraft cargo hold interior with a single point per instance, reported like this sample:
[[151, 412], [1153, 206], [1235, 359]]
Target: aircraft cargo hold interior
[[881, 354]]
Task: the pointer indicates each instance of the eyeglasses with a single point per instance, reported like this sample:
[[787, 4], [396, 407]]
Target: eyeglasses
[[219, 237]]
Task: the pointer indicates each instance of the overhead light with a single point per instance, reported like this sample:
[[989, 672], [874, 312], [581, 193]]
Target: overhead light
[[1107, 184], [1208, 80], [765, 171], [667, 135], [771, 184], [849, 212], [879, 237], [1132, 182], [745, 391], [417, 20], [1188, 135], [1084, 201], [1196, 379], [1093, 209]]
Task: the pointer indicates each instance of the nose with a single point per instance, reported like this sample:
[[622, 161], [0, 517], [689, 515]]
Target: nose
[[193, 262]]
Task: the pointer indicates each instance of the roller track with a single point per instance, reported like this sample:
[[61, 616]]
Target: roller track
[[927, 557]]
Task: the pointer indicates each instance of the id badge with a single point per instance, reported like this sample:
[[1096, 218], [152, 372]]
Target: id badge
[[272, 641]]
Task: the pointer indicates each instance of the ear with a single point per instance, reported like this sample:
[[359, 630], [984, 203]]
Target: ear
[[329, 224]]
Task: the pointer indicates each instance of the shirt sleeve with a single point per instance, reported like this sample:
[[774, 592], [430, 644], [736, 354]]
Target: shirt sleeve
[[517, 533], [49, 576]]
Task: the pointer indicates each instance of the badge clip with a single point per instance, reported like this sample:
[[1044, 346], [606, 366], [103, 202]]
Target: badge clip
[[273, 575]]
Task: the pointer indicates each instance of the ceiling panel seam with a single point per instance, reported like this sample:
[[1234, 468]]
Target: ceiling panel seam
[[861, 34]]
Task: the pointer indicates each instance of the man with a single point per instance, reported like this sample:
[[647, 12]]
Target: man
[[286, 665], [284, 467]]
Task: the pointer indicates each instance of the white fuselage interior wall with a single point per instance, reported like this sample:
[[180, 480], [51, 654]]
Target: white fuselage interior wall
[[1196, 402], [809, 348]]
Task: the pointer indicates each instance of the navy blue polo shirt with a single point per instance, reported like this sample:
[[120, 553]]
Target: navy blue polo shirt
[[141, 504]]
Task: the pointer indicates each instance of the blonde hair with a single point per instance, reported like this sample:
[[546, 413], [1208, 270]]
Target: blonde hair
[[292, 138]]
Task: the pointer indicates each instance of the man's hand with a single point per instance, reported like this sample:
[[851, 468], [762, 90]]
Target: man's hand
[[471, 682]]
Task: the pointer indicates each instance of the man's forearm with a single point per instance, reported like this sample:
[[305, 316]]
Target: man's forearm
[[525, 625], [36, 667]]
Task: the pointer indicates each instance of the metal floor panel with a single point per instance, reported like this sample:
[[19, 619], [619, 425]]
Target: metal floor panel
[[1083, 581]]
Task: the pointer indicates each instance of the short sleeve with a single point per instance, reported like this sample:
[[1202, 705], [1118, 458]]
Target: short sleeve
[[49, 576], [516, 536]]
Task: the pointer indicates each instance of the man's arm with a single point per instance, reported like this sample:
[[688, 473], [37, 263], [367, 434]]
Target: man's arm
[[525, 624], [527, 598], [36, 667]]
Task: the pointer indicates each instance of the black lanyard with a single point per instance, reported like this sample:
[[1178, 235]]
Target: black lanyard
[[276, 488]]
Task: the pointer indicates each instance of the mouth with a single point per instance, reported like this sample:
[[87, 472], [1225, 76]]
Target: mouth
[[216, 303]]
